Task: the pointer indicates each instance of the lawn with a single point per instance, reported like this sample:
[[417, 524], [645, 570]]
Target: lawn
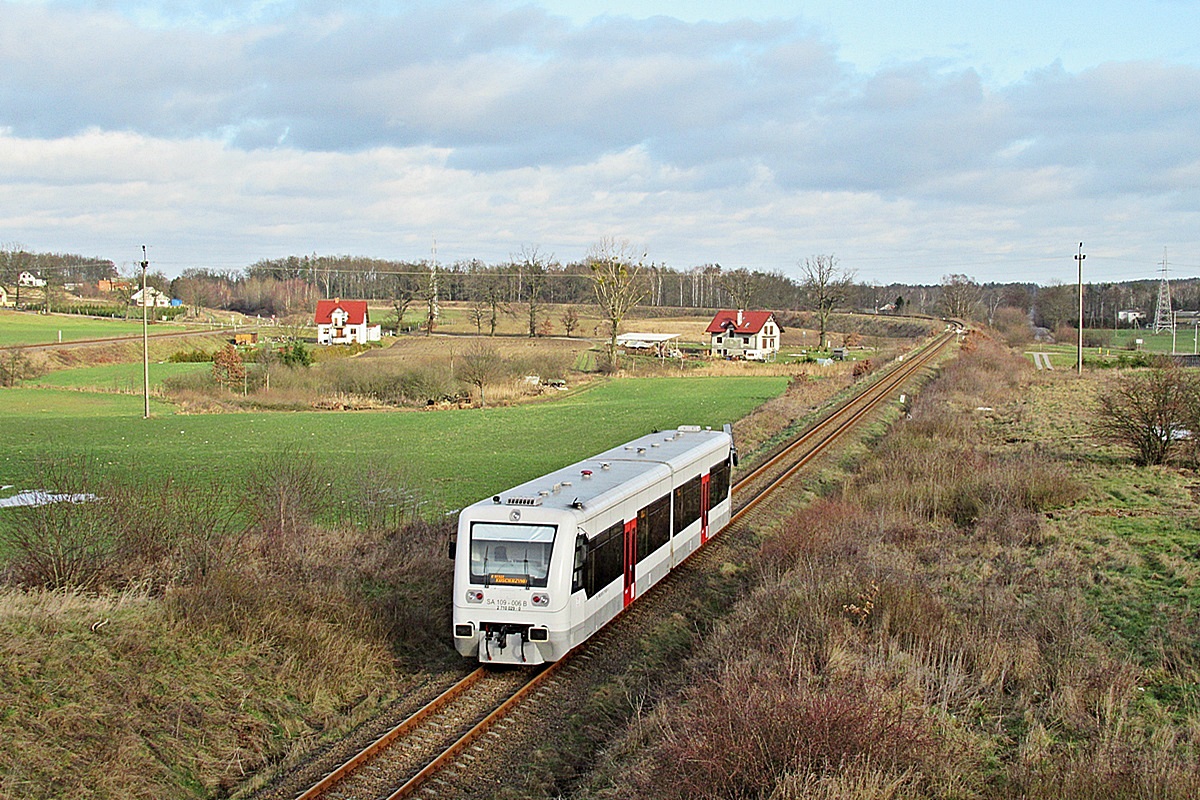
[[26, 327], [117, 377], [453, 457]]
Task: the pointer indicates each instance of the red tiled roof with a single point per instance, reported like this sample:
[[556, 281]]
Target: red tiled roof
[[355, 309], [752, 322]]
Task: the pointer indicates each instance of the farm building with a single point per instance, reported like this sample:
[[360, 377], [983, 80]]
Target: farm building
[[29, 279], [3, 296], [659, 344], [154, 298], [344, 322], [752, 335], [107, 285]]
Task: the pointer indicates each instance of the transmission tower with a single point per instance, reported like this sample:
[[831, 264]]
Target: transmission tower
[[1164, 320]]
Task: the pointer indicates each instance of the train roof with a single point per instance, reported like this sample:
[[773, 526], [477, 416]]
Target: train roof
[[622, 468]]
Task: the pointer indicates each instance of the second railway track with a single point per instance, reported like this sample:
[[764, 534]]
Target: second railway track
[[433, 753]]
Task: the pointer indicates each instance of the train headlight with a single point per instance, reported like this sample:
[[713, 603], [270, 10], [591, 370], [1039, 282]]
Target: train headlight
[[540, 599], [539, 635], [474, 595], [464, 630]]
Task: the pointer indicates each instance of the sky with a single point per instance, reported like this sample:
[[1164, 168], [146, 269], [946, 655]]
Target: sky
[[911, 140]]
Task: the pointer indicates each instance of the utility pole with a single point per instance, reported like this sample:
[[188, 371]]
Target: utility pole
[[145, 341], [1079, 257]]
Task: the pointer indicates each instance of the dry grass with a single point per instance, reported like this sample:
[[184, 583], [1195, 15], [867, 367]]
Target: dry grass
[[242, 630], [927, 632]]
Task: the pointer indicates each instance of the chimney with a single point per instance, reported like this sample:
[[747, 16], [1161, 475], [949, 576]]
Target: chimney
[[739, 318]]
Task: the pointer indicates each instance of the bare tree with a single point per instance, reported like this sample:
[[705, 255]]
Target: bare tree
[[617, 281], [479, 366], [431, 294], [741, 285], [1148, 412], [477, 312], [404, 292], [570, 319], [960, 296], [825, 286], [531, 266]]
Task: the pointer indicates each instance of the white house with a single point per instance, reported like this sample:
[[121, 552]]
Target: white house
[[29, 279], [344, 322], [1129, 317], [3, 296], [752, 335], [154, 298]]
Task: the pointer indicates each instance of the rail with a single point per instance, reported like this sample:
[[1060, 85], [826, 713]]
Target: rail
[[772, 473]]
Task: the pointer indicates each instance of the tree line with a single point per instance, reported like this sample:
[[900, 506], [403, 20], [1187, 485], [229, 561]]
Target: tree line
[[530, 280]]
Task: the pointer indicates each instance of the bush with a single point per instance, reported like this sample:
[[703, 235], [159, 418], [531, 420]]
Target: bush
[[1148, 412], [196, 356], [295, 354]]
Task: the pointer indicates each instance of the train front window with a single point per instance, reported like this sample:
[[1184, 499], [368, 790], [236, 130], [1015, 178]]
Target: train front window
[[511, 555]]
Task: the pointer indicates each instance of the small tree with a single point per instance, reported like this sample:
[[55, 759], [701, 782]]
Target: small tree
[[531, 266], [570, 320], [265, 356], [1149, 411], [825, 286], [479, 366], [228, 370], [295, 354], [617, 282], [15, 367], [477, 312]]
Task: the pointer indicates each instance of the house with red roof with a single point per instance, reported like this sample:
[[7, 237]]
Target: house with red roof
[[752, 335], [344, 322]]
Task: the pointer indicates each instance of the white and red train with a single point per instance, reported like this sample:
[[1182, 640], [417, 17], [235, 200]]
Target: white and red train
[[541, 567]]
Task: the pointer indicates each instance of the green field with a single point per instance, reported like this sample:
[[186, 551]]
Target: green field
[[1122, 342], [117, 377], [453, 457], [27, 327], [1184, 340]]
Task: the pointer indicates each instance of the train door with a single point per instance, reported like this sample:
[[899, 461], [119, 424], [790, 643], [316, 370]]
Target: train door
[[704, 506], [630, 560]]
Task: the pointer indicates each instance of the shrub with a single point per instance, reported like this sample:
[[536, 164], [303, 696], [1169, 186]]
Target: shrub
[[1147, 412], [285, 494], [190, 356], [64, 542], [295, 354]]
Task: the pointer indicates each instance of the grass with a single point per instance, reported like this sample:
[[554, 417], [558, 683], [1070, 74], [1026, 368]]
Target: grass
[[456, 456], [994, 605], [24, 327], [126, 378]]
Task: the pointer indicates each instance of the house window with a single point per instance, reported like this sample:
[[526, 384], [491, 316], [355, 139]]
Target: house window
[[745, 340]]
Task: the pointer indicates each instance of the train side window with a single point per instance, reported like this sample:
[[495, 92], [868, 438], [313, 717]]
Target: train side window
[[718, 486], [605, 560], [687, 503], [654, 526], [579, 567]]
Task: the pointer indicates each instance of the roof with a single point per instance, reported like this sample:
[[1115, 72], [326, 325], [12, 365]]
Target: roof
[[725, 320], [621, 469], [356, 311], [641, 341]]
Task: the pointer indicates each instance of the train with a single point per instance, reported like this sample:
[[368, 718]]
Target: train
[[543, 566]]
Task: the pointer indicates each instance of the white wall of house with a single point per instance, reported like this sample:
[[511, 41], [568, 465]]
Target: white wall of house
[[758, 346], [341, 333]]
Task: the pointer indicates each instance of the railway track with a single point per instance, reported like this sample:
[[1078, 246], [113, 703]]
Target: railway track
[[452, 731]]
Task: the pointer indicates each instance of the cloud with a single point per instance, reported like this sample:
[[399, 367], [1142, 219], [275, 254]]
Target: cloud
[[268, 127]]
